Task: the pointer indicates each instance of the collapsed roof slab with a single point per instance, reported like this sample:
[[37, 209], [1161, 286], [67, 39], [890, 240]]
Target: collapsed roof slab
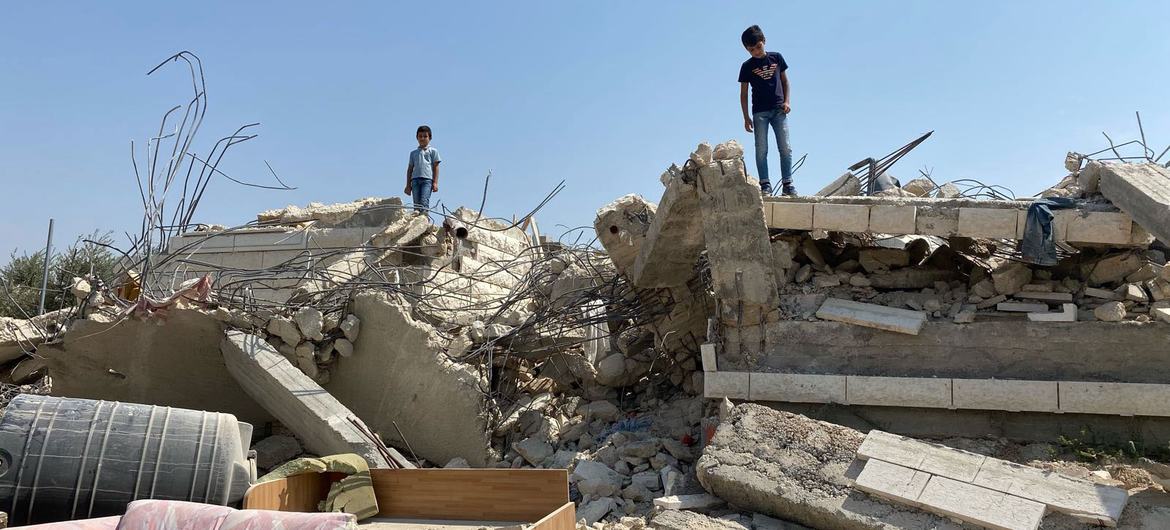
[[1142, 191], [674, 240], [1093, 223]]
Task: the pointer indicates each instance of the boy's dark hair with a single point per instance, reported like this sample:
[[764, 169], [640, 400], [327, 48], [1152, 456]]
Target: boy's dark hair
[[422, 129], [752, 36]]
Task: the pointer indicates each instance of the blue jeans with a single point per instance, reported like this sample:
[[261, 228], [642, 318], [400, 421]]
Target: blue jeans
[[779, 122], [421, 192]]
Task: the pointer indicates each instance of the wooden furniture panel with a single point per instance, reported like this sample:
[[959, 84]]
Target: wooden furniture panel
[[470, 494], [299, 493], [562, 519]]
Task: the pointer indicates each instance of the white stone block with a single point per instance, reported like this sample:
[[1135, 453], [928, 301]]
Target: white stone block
[[699, 501], [897, 483], [1126, 399], [930, 458], [841, 217], [1089, 502], [898, 391], [940, 222], [891, 219], [992, 223], [1005, 394], [707, 351], [872, 316], [732, 385], [790, 215], [797, 388], [1099, 227], [981, 506], [1067, 313]]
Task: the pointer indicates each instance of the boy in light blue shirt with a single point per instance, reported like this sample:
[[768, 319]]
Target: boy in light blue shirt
[[422, 173]]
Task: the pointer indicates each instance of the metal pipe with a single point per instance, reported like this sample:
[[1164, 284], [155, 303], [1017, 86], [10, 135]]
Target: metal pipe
[[45, 276]]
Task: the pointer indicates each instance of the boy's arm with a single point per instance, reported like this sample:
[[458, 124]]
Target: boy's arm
[[434, 177], [409, 172], [784, 85], [743, 105]]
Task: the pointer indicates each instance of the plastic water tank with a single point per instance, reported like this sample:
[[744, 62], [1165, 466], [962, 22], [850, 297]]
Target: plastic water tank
[[65, 458]]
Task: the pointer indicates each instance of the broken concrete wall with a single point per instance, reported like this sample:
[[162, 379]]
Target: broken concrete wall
[[1008, 349], [398, 373], [674, 240], [1142, 191], [173, 362], [622, 226]]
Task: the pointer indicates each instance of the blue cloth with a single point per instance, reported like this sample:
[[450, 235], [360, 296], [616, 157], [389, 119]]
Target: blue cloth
[[422, 161], [421, 192], [779, 123], [1039, 244], [763, 75]]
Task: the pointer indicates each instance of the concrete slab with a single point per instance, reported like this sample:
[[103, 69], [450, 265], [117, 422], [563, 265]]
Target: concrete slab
[[841, 217], [1005, 394], [980, 506], [1126, 399], [1067, 313], [791, 215], [324, 425], [1020, 307], [898, 391], [892, 219], [1089, 502], [891, 481], [673, 241], [1142, 191], [731, 385], [926, 457], [987, 222], [1047, 297], [1104, 294], [797, 388], [872, 316]]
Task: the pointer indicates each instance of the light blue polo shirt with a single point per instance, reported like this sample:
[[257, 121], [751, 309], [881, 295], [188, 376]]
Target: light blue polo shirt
[[422, 160]]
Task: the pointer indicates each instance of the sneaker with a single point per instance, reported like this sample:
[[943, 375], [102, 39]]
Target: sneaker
[[765, 187], [789, 190]]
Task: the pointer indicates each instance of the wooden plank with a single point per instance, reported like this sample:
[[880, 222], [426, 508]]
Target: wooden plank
[[872, 316], [562, 519], [299, 493], [470, 494]]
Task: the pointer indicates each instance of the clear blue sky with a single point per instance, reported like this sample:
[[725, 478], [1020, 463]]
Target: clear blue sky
[[602, 94]]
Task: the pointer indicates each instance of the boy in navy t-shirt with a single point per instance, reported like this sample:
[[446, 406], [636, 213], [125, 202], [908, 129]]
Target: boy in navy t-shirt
[[766, 72]]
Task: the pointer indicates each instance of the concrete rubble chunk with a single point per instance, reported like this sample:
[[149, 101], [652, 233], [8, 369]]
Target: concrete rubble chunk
[[595, 478], [325, 425], [699, 501], [1010, 277], [872, 315], [1114, 269], [351, 326], [1067, 313], [285, 329], [1110, 312], [310, 322], [275, 450], [621, 227], [1020, 307], [702, 155], [792, 467], [686, 520], [673, 241], [730, 150], [845, 185], [1142, 191]]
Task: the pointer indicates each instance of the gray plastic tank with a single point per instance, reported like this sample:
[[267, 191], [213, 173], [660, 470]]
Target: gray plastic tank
[[65, 458]]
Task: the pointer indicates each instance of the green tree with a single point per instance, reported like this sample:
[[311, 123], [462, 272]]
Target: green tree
[[20, 278]]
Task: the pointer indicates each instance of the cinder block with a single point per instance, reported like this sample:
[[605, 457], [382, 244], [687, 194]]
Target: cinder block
[[993, 223], [1125, 399], [791, 215], [1005, 394], [244, 260], [797, 388], [841, 217], [900, 484], [980, 506], [733, 385], [276, 257], [898, 391], [930, 458], [707, 351], [1084, 500], [890, 219], [263, 240], [1067, 313], [1100, 227]]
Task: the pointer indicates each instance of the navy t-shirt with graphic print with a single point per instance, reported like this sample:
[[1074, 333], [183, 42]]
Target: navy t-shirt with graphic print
[[763, 75]]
